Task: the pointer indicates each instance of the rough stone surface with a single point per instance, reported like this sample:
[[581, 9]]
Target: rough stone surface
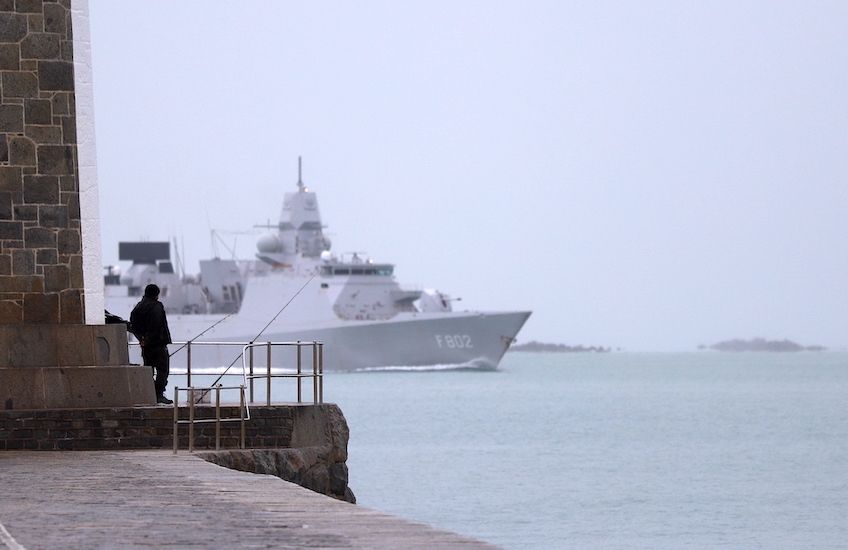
[[19, 284], [10, 57], [38, 171], [46, 257], [69, 242], [21, 151], [56, 75], [38, 111], [56, 277], [11, 312], [43, 134], [13, 27], [54, 18], [40, 46], [28, 6], [70, 305], [11, 230], [53, 215], [41, 308], [40, 237], [28, 212], [11, 118], [55, 160], [60, 104], [11, 178], [41, 189], [20, 84], [6, 210], [23, 262]]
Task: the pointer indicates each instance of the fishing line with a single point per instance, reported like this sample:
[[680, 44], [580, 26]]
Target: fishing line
[[201, 334], [256, 337]]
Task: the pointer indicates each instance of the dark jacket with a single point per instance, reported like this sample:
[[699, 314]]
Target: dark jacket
[[149, 323]]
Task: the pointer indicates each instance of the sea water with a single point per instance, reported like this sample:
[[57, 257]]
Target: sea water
[[612, 450]]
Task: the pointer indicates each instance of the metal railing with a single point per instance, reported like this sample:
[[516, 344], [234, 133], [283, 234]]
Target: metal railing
[[249, 371], [244, 414], [317, 373]]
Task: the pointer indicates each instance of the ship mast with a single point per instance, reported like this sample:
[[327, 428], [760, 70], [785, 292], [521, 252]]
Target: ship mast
[[300, 185]]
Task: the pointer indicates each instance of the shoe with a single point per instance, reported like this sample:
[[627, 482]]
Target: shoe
[[164, 400]]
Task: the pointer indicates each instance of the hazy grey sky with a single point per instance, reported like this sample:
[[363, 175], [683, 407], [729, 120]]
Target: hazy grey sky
[[649, 175]]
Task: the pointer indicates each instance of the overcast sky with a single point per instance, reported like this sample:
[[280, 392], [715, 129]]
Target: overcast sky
[[644, 175]]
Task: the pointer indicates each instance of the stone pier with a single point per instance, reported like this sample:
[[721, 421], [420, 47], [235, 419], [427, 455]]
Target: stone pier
[[154, 499]]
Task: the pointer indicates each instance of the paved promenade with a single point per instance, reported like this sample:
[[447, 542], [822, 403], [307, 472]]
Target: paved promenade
[[154, 499]]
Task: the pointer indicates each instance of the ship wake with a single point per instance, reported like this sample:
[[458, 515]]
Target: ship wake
[[473, 365]]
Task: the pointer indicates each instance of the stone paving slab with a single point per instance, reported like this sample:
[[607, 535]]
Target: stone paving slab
[[155, 499]]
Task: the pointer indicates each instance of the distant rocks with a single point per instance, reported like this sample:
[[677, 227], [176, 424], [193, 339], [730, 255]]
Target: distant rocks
[[761, 344], [559, 348]]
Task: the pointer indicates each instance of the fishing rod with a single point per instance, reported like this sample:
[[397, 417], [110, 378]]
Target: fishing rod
[[215, 324], [233, 362]]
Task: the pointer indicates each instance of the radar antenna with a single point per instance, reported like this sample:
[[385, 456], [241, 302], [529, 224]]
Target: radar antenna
[[300, 185]]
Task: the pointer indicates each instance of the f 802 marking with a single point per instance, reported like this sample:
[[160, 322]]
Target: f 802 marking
[[454, 341]]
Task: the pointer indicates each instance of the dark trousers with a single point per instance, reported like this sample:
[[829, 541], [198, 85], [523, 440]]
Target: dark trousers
[[157, 357]]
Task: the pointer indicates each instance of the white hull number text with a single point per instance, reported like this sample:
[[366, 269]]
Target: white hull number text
[[454, 341]]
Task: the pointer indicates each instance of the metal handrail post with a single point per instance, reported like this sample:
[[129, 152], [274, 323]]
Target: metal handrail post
[[191, 419], [268, 380], [251, 372], [321, 372], [314, 372], [241, 412], [176, 416], [218, 417], [188, 364], [298, 372], [243, 369]]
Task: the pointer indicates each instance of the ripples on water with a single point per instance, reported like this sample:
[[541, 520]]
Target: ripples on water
[[615, 450], [701, 450]]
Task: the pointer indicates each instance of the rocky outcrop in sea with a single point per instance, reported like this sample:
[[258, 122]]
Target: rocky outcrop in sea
[[761, 344]]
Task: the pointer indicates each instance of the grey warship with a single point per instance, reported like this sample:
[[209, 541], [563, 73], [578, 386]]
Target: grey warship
[[350, 303]]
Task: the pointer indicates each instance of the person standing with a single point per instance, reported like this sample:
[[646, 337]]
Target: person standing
[[150, 325]]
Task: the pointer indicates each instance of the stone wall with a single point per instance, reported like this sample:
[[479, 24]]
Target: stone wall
[[41, 263], [304, 444]]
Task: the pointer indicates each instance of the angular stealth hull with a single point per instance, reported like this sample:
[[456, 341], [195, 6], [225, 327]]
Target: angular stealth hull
[[458, 340]]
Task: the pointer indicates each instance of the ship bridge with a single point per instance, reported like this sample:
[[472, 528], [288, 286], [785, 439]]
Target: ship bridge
[[384, 270]]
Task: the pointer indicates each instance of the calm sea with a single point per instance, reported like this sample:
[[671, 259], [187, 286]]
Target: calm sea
[[619, 450]]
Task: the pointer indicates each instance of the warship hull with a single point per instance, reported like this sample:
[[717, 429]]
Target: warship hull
[[420, 342]]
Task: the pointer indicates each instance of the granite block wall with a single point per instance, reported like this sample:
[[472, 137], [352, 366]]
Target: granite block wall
[[41, 262], [138, 428]]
